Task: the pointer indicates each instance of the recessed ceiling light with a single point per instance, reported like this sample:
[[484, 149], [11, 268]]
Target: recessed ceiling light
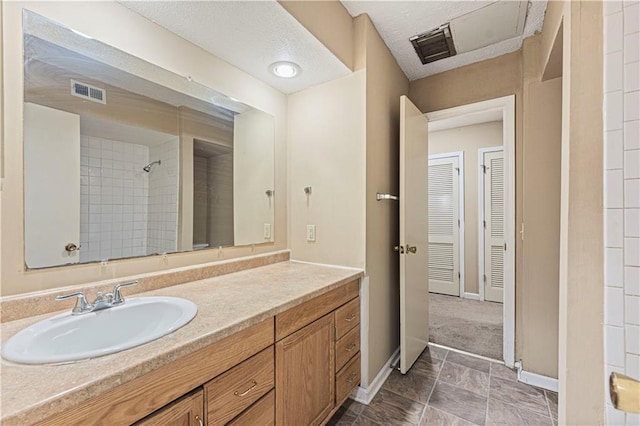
[[285, 69]]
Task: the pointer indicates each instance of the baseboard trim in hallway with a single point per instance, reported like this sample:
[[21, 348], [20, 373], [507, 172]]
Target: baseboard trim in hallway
[[537, 380], [460, 351], [365, 395]]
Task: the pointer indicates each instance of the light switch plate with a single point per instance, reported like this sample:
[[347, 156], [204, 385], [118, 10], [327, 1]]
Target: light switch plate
[[311, 233], [267, 231]]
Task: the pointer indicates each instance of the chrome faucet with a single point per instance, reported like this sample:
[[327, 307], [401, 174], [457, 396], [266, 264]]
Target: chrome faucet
[[103, 301]]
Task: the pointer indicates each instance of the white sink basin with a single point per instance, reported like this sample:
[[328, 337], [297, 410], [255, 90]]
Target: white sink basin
[[66, 337]]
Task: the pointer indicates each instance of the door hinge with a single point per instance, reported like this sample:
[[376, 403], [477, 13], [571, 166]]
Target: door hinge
[[484, 278], [484, 224], [505, 246], [459, 275], [458, 223], [522, 231], [484, 169], [457, 170]]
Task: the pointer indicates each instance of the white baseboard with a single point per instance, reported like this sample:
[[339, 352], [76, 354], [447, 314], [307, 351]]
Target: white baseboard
[[365, 395], [472, 296], [537, 380]]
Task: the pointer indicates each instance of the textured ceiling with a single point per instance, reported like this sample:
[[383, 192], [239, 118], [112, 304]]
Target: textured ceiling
[[250, 35], [397, 21]]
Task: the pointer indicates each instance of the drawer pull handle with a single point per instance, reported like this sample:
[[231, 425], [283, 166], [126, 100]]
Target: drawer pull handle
[[252, 387], [352, 377], [199, 420], [351, 347], [351, 317]]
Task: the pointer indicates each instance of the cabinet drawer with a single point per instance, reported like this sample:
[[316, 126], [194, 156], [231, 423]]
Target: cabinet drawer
[[347, 379], [186, 411], [347, 347], [347, 317], [261, 413], [297, 317], [232, 392]]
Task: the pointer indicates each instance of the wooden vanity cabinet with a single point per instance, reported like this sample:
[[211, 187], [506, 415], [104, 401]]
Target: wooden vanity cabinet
[[305, 374], [312, 379]]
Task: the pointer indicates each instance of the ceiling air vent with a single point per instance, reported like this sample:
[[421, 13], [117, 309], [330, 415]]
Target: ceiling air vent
[[89, 92], [434, 45]]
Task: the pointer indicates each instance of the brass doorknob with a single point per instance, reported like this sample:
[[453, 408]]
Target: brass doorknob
[[71, 247], [412, 249]]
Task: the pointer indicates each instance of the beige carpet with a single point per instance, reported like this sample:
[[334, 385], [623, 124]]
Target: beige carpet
[[468, 325]]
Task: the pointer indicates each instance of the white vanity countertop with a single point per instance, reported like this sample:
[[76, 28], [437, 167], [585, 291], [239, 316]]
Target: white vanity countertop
[[226, 305]]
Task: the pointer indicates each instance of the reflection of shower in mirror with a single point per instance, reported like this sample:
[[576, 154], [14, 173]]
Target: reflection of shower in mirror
[[147, 168]]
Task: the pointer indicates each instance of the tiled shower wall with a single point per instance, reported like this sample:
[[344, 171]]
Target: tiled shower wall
[[113, 199], [162, 231], [622, 195]]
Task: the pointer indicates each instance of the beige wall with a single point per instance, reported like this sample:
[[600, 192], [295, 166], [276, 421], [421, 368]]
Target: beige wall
[[327, 152], [468, 139], [329, 22], [385, 84], [541, 218], [117, 26]]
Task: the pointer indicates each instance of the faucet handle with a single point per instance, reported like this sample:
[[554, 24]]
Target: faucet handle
[[117, 297], [82, 305]]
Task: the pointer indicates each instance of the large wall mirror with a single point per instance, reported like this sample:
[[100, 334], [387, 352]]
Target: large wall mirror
[[123, 158]]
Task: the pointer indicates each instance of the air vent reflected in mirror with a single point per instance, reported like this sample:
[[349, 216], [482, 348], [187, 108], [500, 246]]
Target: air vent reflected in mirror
[[434, 45], [89, 92]]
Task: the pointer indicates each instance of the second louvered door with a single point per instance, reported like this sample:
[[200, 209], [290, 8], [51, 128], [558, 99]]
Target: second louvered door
[[494, 233], [444, 222]]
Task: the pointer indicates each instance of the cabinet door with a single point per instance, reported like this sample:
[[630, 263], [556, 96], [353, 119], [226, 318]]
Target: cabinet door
[[305, 382], [186, 411]]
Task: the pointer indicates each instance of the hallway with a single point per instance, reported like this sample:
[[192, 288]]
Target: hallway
[[448, 388], [469, 325]]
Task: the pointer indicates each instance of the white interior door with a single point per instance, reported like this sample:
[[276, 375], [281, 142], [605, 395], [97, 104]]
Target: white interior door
[[494, 229], [51, 185], [444, 226], [414, 287]]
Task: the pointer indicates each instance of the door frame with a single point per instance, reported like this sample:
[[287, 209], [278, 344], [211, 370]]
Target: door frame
[[506, 107], [460, 155], [481, 178]]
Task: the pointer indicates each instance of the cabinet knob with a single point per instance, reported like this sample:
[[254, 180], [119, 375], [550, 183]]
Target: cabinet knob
[[351, 317], [351, 347]]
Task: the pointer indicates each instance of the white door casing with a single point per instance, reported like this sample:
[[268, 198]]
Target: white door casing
[[51, 185], [444, 224], [493, 229], [414, 287]]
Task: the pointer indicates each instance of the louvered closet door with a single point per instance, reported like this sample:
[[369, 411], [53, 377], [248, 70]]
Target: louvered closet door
[[444, 215], [494, 234]]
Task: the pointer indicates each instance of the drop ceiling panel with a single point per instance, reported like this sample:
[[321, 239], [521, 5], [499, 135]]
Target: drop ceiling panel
[[250, 35], [492, 24]]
